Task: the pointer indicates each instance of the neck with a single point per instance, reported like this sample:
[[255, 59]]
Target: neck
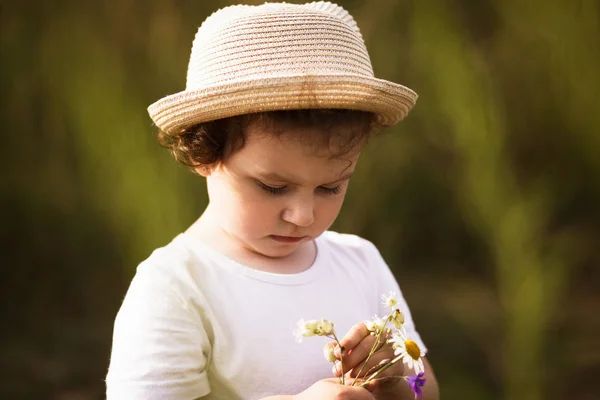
[[208, 231]]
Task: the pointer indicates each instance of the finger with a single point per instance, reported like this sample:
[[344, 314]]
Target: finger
[[357, 356], [353, 337], [386, 388], [332, 380], [377, 361], [359, 353], [357, 392]]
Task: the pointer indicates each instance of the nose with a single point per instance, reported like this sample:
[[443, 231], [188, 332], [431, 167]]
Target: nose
[[300, 212]]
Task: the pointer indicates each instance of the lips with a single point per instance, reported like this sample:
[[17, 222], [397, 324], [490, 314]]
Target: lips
[[287, 239]]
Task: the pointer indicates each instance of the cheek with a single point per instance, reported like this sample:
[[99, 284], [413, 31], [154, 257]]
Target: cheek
[[328, 209], [251, 212], [260, 211]]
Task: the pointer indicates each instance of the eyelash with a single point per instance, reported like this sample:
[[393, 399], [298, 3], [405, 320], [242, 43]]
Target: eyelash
[[272, 190], [280, 190]]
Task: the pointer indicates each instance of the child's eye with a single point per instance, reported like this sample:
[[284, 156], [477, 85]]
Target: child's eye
[[333, 190], [271, 189]]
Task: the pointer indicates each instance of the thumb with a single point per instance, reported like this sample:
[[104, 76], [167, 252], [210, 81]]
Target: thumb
[[387, 387], [358, 393]]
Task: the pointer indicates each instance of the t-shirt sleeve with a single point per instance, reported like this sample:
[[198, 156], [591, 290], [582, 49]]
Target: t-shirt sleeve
[[160, 348], [387, 283]]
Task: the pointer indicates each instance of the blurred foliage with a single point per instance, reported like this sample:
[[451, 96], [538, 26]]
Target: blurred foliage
[[485, 201]]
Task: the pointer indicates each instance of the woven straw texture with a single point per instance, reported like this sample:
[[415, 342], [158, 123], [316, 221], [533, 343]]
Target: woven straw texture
[[279, 56]]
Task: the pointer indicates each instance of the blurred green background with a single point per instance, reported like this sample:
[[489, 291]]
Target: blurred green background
[[485, 201]]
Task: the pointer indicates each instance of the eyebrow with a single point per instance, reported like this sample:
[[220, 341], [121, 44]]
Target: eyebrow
[[276, 177]]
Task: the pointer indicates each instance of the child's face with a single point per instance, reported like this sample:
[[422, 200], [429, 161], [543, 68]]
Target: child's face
[[277, 193]]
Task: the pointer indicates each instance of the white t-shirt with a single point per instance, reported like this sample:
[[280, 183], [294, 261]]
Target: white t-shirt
[[196, 324]]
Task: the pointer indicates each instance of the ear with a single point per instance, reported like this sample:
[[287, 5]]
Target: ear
[[204, 170]]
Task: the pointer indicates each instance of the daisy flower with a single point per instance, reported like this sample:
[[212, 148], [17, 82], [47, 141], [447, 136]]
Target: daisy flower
[[306, 329], [376, 325], [329, 352], [408, 351], [390, 300], [313, 327], [397, 318], [325, 327]]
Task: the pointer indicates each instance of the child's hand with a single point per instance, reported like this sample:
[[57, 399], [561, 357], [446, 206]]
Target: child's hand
[[330, 389], [357, 344], [390, 388]]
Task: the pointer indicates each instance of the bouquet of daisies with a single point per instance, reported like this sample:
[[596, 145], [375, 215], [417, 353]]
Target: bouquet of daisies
[[388, 331]]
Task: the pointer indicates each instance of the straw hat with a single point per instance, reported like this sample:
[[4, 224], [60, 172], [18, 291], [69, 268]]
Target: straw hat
[[279, 56]]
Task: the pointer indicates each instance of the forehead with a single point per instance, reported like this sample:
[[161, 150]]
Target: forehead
[[301, 153], [328, 140]]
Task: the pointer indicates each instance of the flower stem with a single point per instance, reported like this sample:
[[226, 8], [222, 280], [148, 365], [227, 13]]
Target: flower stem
[[386, 366], [373, 349], [368, 358], [342, 378], [376, 367]]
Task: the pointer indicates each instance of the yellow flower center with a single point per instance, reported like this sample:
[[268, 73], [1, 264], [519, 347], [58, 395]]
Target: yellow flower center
[[412, 349]]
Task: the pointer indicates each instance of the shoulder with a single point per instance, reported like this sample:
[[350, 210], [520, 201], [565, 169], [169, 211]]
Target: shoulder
[[351, 251], [176, 252], [159, 308], [349, 243], [165, 285], [174, 267]]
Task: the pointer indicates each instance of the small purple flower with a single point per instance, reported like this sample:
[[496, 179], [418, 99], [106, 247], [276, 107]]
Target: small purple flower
[[416, 382]]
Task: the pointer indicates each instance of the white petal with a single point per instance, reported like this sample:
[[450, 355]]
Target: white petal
[[419, 367]]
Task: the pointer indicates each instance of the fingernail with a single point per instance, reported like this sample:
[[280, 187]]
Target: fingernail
[[337, 351]]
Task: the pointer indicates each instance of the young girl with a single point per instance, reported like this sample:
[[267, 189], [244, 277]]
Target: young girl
[[280, 101]]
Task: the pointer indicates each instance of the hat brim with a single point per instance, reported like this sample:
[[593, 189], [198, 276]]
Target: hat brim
[[390, 101]]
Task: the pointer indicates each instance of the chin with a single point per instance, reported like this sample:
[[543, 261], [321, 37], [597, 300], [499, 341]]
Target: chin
[[276, 251]]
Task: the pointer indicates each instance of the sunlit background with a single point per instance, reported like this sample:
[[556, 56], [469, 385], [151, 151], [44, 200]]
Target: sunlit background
[[485, 201]]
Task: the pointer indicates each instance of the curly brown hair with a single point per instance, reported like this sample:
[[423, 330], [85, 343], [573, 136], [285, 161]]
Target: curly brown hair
[[212, 142]]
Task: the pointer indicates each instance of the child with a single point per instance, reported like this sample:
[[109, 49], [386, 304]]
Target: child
[[280, 100]]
